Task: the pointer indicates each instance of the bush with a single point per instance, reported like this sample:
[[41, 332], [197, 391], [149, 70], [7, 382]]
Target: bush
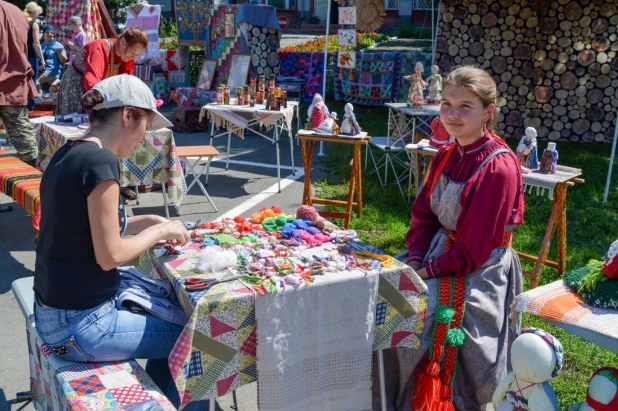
[[411, 31]]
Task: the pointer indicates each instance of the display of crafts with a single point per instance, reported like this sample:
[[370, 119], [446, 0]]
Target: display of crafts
[[273, 97], [272, 250]]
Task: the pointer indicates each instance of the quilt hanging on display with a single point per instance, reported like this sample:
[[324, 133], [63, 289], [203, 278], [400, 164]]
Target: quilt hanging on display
[[147, 18], [373, 82], [193, 20], [60, 11], [308, 66], [260, 28], [224, 47]]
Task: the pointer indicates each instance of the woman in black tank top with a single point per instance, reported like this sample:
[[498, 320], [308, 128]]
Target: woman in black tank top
[[35, 52]]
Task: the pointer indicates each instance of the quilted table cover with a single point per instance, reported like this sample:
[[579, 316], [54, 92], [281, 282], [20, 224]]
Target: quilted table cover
[[155, 161], [193, 96], [216, 352], [373, 82], [60, 385]]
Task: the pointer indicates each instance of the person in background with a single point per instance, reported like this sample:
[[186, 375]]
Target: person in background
[[95, 61], [80, 205], [79, 36], [35, 52], [55, 56], [16, 85]]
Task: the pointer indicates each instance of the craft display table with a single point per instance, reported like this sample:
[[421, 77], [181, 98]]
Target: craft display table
[[355, 191], [236, 119], [154, 162], [404, 123], [558, 304], [218, 351], [556, 186]]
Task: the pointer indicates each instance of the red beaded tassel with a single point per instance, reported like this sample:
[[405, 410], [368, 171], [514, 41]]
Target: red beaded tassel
[[454, 339], [428, 384]]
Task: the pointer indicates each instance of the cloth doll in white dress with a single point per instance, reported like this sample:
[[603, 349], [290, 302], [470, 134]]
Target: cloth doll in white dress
[[349, 125]]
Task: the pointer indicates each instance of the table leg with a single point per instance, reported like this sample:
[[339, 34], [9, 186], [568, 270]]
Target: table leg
[[229, 144], [212, 404], [292, 152], [278, 159], [549, 233], [307, 148], [562, 227], [351, 190], [212, 132], [418, 177], [136, 194], [359, 190], [167, 212], [382, 381]]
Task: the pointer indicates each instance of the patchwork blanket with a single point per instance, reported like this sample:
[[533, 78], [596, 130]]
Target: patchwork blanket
[[373, 82], [309, 66]]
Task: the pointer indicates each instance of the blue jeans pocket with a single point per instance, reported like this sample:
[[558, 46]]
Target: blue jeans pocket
[[70, 350]]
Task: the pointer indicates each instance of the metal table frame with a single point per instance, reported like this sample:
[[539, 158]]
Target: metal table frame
[[279, 127]]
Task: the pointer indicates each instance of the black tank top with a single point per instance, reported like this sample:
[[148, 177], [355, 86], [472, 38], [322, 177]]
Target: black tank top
[[31, 52]]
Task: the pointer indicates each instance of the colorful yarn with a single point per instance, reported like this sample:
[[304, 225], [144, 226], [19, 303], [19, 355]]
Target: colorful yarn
[[307, 213]]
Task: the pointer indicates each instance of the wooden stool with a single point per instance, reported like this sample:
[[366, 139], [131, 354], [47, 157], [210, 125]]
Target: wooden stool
[[197, 151]]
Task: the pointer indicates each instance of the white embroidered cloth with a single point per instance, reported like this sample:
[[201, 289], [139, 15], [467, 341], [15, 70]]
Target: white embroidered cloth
[[236, 118], [314, 352]]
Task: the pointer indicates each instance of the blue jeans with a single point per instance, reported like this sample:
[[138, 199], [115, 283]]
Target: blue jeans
[[109, 332]]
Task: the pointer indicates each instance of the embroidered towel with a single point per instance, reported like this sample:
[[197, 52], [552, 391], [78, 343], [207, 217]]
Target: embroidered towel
[[315, 344], [147, 18]]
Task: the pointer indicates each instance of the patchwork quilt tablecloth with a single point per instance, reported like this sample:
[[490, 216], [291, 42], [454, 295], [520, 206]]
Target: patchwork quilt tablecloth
[[21, 182], [61, 385], [216, 352], [373, 82], [154, 162]]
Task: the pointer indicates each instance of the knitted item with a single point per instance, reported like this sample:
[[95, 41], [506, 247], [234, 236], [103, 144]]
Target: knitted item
[[307, 213], [593, 285]]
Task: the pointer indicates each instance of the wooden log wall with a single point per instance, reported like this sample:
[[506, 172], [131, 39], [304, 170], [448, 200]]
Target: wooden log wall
[[554, 62]]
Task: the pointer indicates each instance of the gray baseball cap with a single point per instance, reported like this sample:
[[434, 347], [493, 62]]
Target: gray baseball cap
[[125, 90]]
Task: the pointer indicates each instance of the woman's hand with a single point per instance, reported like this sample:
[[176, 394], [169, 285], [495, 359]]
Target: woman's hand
[[422, 273], [175, 232]]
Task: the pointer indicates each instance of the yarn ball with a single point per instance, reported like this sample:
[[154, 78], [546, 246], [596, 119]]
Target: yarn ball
[[444, 314], [307, 213], [603, 295]]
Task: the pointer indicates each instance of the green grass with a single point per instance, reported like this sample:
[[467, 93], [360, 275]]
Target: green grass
[[591, 227]]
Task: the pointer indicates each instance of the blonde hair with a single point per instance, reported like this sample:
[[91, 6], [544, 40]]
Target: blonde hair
[[32, 7], [480, 83]]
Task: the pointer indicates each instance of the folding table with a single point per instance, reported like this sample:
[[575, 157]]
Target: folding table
[[236, 119]]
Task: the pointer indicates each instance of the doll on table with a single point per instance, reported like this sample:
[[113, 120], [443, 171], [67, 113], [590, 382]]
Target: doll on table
[[417, 85], [527, 151], [317, 112], [349, 125], [439, 135], [435, 86]]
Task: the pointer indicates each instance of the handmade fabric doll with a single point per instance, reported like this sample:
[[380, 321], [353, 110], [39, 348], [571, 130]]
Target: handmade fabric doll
[[597, 282], [417, 84], [336, 129], [527, 153], [536, 356], [317, 111], [435, 86], [439, 136], [349, 125], [602, 394]]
